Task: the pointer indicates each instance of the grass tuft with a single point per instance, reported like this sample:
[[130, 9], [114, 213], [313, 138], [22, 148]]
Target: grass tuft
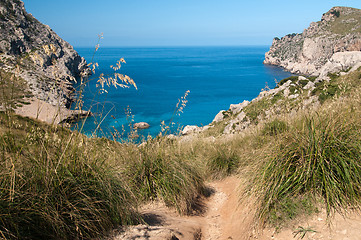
[[319, 157], [160, 171], [274, 127], [51, 187], [223, 160]]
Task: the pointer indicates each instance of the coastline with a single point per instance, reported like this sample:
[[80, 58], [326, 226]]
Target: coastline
[[46, 112]]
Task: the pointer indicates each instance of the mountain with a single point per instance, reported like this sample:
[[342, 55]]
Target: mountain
[[34, 52], [339, 31]]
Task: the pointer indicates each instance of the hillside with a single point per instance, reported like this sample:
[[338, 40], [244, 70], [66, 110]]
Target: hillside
[[306, 53], [47, 64], [285, 165]]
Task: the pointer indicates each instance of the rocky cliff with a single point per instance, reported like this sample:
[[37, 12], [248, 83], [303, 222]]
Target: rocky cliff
[[34, 52], [328, 54], [306, 53]]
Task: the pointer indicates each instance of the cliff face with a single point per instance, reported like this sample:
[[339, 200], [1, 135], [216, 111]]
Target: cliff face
[[338, 31], [36, 53]]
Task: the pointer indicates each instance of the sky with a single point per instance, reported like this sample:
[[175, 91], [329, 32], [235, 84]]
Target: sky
[[178, 22]]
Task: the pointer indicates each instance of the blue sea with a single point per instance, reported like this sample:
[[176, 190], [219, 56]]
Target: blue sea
[[215, 77]]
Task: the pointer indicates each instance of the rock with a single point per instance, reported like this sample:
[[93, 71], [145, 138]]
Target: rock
[[354, 68], [300, 78], [236, 108], [219, 117], [47, 63], [141, 125], [309, 85], [171, 136], [190, 129], [293, 96], [340, 61], [236, 124], [75, 115], [306, 53], [204, 128]]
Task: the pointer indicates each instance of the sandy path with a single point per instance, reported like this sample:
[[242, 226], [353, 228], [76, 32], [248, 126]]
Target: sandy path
[[226, 218]]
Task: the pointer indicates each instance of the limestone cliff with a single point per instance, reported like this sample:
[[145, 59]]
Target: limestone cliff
[[306, 53], [37, 54]]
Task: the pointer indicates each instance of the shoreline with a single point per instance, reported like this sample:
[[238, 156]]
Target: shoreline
[[46, 112]]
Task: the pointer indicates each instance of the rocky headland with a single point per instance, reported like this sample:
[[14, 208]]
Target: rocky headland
[[47, 65], [336, 38], [327, 49]]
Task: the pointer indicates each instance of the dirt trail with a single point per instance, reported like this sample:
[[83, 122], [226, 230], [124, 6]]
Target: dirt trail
[[226, 218]]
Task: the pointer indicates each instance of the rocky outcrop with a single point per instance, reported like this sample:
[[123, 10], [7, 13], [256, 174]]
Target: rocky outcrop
[[306, 53], [341, 61], [326, 50], [35, 52]]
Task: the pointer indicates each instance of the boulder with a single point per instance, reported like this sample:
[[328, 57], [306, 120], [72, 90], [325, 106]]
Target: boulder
[[236, 108], [141, 125], [190, 129], [219, 117]]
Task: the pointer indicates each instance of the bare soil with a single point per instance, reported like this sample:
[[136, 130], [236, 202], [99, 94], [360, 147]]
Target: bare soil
[[226, 218]]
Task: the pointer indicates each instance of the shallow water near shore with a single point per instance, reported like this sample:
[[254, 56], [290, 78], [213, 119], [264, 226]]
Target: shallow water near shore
[[215, 76]]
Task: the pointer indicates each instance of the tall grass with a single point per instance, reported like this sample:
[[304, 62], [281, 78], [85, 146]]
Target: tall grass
[[160, 171], [318, 158], [54, 188]]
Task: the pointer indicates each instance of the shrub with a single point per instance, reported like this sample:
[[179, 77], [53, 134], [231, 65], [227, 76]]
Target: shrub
[[283, 81]]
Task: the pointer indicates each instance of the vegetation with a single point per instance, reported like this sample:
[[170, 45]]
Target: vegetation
[[315, 161], [345, 23], [58, 184], [318, 157], [55, 184], [13, 91]]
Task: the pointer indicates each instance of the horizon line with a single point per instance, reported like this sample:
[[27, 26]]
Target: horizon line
[[171, 46]]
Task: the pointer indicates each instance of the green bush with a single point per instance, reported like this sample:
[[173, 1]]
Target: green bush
[[283, 81]]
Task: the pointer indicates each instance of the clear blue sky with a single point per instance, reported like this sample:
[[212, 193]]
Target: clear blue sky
[[178, 22]]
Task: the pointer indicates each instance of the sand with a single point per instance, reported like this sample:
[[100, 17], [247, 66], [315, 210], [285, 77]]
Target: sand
[[226, 218], [40, 110]]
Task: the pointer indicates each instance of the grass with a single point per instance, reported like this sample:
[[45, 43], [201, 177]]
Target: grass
[[301, 232], [59, 184], [12, 91], [54, 188], [294, 79], [346, 24], [160, 171], [318, 158], [222, 160], [274, 127]]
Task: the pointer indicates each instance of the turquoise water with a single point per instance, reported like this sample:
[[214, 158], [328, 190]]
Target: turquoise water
[[215, 76]]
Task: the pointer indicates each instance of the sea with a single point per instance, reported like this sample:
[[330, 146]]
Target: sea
[[176, 86]]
